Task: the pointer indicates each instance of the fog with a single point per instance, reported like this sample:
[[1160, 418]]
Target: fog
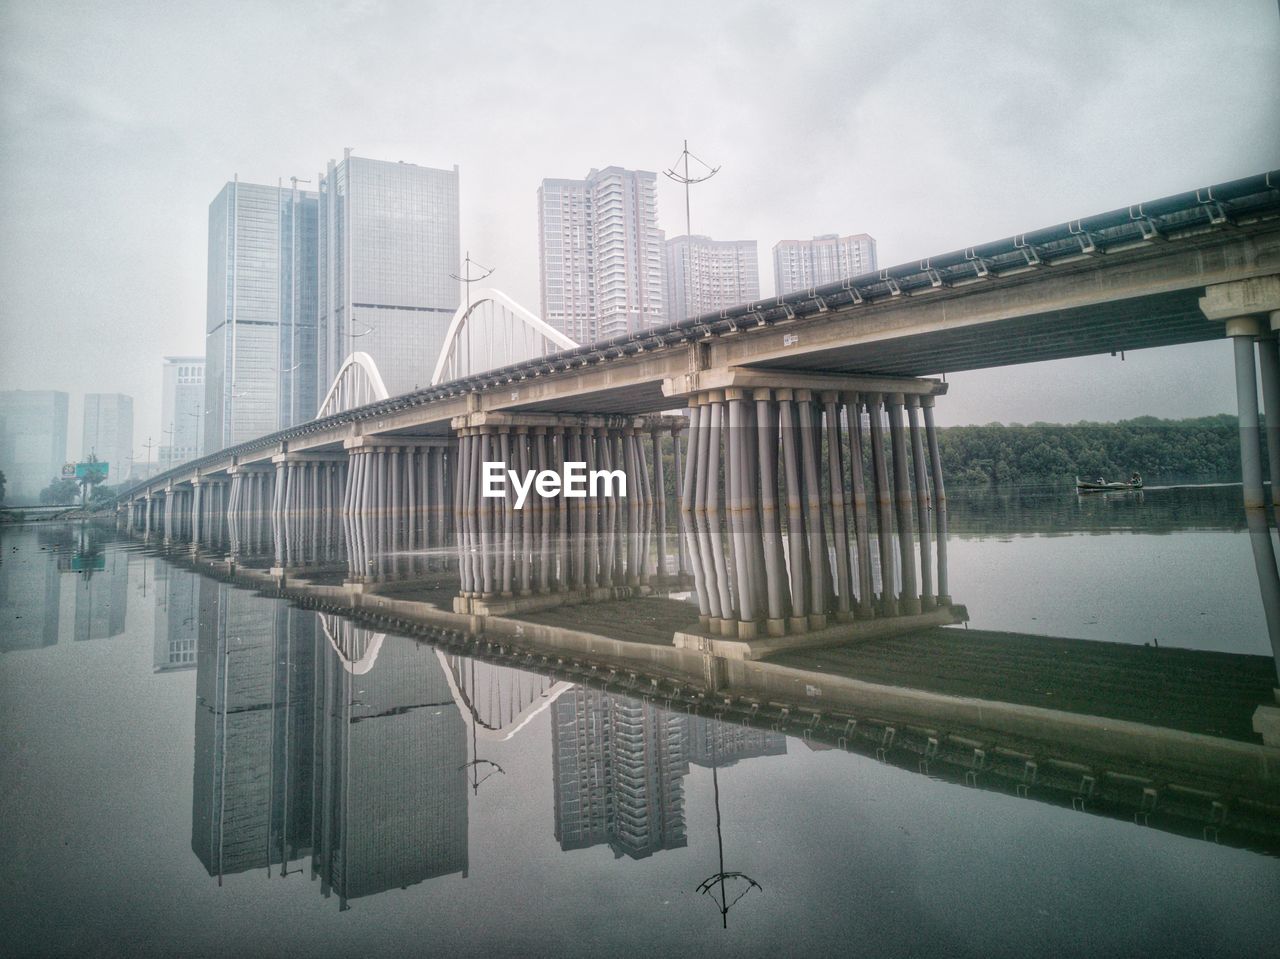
[[929, 126]]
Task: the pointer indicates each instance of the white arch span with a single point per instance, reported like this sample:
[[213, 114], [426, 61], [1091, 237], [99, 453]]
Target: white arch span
[[494, 331], [358, 382], [356, 646], [496, 701]]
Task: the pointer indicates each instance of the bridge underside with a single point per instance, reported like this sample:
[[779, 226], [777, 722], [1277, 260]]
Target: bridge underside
[[1163, 319]]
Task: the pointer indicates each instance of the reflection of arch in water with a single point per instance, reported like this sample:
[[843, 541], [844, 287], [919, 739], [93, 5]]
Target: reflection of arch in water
[[498, 701], [358, 382], [492, 332], [356, 646]]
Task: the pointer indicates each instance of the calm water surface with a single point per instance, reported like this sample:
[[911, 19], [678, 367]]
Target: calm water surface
[[193, 766]]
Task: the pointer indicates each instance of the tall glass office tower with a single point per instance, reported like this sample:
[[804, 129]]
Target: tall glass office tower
[[260, 332], [389, 242]]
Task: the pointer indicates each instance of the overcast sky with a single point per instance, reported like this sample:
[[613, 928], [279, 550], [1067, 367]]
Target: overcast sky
[[931, 126]]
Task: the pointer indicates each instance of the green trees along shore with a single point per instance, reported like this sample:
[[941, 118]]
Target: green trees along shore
[[1206, 448]]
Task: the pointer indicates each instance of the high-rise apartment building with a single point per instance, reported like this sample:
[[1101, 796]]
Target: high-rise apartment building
[[804, 264], [600, 253], [389, 246], [260, 325], [108, 432], [182, 410], [706, 275], [33, 441]]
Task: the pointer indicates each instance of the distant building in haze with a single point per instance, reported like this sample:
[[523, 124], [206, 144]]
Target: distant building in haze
[[108, 433], [182, 409], [600, 254], [33, 441], [706, 275], [260, 324], [804, 264], [388, 245]]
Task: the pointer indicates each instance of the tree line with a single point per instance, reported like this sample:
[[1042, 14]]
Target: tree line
[[1205, 448]]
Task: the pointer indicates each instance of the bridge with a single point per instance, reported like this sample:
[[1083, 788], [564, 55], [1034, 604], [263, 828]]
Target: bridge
[[813, 410]]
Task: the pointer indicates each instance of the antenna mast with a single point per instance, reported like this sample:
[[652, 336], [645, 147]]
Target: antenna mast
[[688, 180]]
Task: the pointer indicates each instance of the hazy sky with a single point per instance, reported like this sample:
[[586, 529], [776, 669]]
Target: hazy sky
[[931, 126]]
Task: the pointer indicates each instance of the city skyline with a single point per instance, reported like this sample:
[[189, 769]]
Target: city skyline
[[984, 175]]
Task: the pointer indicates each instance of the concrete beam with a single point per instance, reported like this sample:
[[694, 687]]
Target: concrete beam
[[1254, 296], [739, 377]]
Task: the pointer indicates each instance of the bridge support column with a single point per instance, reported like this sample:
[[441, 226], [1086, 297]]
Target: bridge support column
[[853, 406], [838, 493], [660, 498], [910, 602], [775, 584], [822, 568], [939, 499], [1243, 306], [1269, 365], [601, 542], [197, 488], [927, 598], [884, 504], [678, 469]]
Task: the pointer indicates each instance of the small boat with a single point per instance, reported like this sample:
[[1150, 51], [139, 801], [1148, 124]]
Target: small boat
[[1102, 486]]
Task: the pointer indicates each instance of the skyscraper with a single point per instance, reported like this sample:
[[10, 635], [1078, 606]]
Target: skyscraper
[[33, 441], [388, 244], [600, 254], [804, 264], [705, 275], [108, 432], [182, 410], [260, 358]]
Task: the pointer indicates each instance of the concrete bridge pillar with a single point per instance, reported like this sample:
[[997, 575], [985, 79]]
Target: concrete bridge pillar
[[939, 499], [853, 405], [796, 457], [923, 505], [1247, 308], [197, 487], [884, 506], [840, 503], [910, 599]]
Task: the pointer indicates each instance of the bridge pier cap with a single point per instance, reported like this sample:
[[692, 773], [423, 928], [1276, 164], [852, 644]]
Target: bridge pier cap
[[1244, 305]]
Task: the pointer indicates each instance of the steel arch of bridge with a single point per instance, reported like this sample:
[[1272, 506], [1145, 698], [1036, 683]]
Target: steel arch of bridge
[[497, 701], [358, 382], [493, 332]]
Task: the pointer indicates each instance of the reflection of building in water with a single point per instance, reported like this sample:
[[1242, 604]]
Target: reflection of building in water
[[177, 593], [328, 741], [96, 586], [713, 743], [251, 800], [391, 803], [618, 766], [29, 588]]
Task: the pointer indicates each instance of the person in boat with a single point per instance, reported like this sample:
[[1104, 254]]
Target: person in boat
[[1135, 479]]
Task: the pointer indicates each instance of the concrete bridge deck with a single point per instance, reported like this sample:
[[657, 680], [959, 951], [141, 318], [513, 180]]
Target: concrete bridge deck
[[1124, 280]]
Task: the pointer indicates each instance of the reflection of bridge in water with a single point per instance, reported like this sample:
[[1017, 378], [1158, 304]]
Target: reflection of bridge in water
[[1160, 736]]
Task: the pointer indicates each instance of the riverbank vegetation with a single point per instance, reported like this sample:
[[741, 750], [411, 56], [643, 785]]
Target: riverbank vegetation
[[1205, 448]]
